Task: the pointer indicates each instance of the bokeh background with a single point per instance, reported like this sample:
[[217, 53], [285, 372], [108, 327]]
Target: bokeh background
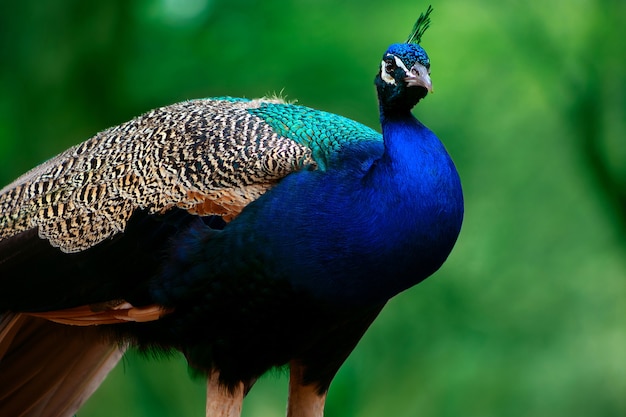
[[528, 316]]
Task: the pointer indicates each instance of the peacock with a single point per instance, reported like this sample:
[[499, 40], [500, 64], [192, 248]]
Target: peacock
[[248, 234]]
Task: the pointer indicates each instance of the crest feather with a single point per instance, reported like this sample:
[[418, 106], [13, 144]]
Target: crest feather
[[422, 23]]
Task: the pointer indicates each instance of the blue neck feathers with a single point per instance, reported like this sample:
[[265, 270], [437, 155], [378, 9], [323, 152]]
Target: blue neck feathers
[[420, 185]]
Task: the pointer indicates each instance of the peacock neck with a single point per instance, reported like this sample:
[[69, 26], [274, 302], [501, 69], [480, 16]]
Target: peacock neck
[[407, 141], [402, 122]]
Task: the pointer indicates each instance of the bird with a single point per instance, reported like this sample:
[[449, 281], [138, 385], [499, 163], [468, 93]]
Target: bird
[[247, 234]]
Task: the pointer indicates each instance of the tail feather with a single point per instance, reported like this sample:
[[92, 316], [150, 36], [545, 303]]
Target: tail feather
[[48, 369]]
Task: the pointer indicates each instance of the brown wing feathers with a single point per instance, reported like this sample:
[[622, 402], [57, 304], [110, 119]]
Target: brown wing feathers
[[109, 314], [204, 156], [48, 369]]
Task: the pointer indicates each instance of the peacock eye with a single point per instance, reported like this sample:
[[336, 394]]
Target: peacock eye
[[390, 66]]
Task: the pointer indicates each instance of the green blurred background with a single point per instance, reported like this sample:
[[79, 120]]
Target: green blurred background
[[528, 316]]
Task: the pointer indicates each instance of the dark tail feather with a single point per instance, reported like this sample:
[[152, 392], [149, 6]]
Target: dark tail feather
[[48, 369]]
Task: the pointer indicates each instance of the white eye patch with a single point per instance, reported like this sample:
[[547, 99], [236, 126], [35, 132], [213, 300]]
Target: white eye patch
[[388, 78]]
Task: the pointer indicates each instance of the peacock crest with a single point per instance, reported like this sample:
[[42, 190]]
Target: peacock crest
[[422, 23]]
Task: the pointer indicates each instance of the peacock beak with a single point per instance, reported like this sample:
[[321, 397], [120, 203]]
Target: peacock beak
[[419, 76]]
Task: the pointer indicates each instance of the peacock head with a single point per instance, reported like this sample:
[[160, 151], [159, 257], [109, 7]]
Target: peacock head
[[404, 76]]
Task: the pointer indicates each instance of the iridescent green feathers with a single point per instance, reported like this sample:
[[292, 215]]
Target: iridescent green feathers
[[422, 23], [324, 133]]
